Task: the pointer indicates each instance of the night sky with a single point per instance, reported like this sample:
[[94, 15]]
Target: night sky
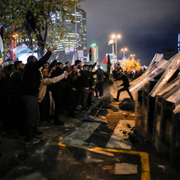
[[146, 26]]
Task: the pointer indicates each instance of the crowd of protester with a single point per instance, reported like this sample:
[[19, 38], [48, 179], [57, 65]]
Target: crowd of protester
[[29, 92], [38, 92]]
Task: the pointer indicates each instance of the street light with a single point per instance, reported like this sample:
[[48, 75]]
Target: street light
[[116, 37], [124, 50], [132, 55]]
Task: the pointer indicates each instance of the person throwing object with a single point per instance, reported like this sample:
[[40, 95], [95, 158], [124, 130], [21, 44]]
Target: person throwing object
[[125, 83]]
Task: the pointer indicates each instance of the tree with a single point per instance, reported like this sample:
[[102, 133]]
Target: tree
[[36, 19], [131, 65]]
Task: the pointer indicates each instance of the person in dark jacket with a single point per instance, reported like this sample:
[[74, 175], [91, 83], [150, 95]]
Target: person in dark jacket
[[121, 76], [30, 87], [84, 82], [91, 84], [100, 80], [57, 93], [15, 81], [72, 87]]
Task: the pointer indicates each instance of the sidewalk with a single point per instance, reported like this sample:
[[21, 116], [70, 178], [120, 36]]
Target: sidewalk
[[14, 151]]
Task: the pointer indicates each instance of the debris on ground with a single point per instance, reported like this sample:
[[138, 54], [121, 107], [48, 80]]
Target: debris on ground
[[125, 114], [106, 99], [109, 168], [101, 152], [125, 169], [127, 104], [128, 125], [95, 119]]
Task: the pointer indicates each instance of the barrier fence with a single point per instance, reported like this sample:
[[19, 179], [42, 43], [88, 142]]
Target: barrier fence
[[158, 121]]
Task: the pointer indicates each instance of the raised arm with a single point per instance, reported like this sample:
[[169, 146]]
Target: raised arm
[[45, 58]]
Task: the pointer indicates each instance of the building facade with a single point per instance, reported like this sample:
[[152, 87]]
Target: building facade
[[76, 38]]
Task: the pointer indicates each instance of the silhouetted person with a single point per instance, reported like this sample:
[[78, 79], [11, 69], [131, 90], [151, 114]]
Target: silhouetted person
[[126, 85]]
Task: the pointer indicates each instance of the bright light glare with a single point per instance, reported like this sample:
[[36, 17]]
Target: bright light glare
[[113, 36]]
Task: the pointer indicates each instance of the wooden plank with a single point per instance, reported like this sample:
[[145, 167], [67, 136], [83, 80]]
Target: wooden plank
[[125, 169]]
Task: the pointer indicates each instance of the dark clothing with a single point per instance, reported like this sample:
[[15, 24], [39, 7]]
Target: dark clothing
[[72, 82], [84, 79], [100, 87], [31, 116], [15, 81], [4, 105], [125, 84], [124, 89], [32, 76], [44, 108], [57, 94], [91, 86], [58, 98], [84, 83], [30, 88], [57, 87], [52, 65], [100, 75], [100, 80], [15, 105], [91, 79], [124, 79]]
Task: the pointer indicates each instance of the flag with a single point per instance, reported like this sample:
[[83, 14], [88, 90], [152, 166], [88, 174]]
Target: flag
[[21, 50], [107, 63], [112, 41], [1, 40], [91, 53]]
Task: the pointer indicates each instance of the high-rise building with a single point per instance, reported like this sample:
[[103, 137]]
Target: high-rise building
[[76, 38]]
